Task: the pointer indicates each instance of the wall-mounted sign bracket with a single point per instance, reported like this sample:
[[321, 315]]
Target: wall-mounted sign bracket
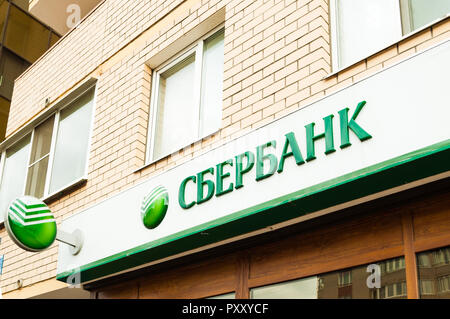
[[73, 240]]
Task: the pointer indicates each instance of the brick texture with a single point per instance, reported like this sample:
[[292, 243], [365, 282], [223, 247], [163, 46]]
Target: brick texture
[[277, 60]]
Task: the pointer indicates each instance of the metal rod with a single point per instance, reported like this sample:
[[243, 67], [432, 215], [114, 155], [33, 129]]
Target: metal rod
[[65, 238], [73, 240]]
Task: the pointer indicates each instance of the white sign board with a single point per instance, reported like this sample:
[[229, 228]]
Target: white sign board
[[407, 109]]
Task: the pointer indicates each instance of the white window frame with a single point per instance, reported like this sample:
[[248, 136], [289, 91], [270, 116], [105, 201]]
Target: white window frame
[[50, 164], [334, 34], [3, 161], [443, 284], [422, 286], [345, 278], [196, 48], [31, 131], [394, 290]]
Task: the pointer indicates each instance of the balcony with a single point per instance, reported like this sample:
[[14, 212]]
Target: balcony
[[61, 14], [23, 39]]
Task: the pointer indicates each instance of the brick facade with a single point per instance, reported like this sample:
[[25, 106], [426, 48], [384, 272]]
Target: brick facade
[[277, 60]]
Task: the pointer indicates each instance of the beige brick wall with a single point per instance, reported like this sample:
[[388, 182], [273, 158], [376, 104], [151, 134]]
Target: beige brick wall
[[277, 54]]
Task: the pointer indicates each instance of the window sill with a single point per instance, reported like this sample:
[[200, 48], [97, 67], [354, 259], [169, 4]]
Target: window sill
[[64, 190], [341, 69], [149, 163]]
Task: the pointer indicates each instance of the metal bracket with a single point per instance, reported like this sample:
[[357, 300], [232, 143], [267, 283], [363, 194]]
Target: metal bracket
[[74, 240]]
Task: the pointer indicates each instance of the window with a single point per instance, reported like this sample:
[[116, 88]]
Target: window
[[14, 162], [231, 295], [21, 33], [423, 261], [11, 66], [26, 36], [444, 284], [360, 282], [393, 265], [394, 290], [39, 158], [51, 158], [305, 288], [363, 27], [4, 112], [72, 142], [441, 256], [364, 282], [418, 13], [345, 278], [434, 278], [426, 287], [187, 97], [3, 11]]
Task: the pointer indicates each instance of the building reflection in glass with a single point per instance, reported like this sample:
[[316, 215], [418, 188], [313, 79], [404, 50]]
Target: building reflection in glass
[[434, 273], [352, 283]]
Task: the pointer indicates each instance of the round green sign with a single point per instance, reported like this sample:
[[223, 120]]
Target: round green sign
[[154, 207], [30, 224]]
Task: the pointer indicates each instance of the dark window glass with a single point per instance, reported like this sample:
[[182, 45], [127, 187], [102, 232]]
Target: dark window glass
[[418, 13], [434, 273], [381, 280], [11, 66], [4, 112], [54, 38], [387, 279], [26, 36], [3, 10], [22, 4]]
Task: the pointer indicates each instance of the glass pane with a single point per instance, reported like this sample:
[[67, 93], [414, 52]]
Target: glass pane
[[14, 171], [434, 280], [423, 12], [24, 4], [25, 35], [387, 279], [36, 178], [423, 260], [54, 38], [42, 140], [345, 278], [296, 289], [426, 287], [4, 112], [72, 142], [11, 66], [176, 121], [3, 11], [40, 149], [365, 27], [212, 84], [373, 281], [225, 296]]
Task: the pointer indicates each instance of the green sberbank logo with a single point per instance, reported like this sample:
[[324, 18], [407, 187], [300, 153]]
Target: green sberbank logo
[[30, 224], [154, 207]]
